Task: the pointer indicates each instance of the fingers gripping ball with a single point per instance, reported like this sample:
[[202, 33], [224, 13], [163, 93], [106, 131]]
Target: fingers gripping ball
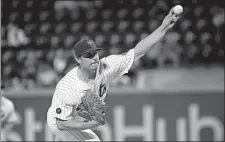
[[92, 108], [177, 10]]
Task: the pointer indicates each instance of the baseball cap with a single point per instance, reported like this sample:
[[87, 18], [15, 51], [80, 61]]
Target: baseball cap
[[85, 46]]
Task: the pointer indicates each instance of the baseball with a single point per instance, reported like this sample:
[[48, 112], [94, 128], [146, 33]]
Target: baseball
[[178, 9]]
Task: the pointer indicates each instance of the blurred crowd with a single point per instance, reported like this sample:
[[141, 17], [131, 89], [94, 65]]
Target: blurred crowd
[[37, 36]]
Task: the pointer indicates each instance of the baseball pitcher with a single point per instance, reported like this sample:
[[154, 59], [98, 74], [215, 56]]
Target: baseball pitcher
[[78, 103]]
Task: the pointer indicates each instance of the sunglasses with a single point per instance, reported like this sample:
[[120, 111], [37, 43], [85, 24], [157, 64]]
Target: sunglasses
[[89, 55]]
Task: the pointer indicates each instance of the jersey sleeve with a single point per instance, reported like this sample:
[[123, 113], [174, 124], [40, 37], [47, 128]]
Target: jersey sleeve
[[13, 118], [121, 63], [7, 110], [62, 105]]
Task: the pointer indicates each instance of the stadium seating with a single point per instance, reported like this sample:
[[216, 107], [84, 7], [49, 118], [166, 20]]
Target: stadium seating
[[114, 25]]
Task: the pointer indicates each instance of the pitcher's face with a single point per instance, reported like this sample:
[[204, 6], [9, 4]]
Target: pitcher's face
[[89, 60]]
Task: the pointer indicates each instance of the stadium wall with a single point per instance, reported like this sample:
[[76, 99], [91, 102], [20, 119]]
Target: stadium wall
[[134, 115]]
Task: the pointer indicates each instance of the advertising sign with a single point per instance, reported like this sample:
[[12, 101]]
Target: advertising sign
[[145, 116]]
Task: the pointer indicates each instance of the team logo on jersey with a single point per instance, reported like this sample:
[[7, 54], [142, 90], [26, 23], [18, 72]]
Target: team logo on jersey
[[102, 89], [58, 110]]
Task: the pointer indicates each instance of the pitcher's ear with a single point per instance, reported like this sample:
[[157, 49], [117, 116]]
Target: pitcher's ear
[[77, 60]]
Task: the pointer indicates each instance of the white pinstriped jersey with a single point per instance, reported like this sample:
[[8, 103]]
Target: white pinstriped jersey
[[8, 116], [70, 88]]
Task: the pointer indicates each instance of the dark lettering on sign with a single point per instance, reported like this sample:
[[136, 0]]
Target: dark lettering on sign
[[102, 89]]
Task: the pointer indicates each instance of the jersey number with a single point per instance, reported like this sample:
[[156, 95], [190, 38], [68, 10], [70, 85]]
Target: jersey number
[[102, 90]]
